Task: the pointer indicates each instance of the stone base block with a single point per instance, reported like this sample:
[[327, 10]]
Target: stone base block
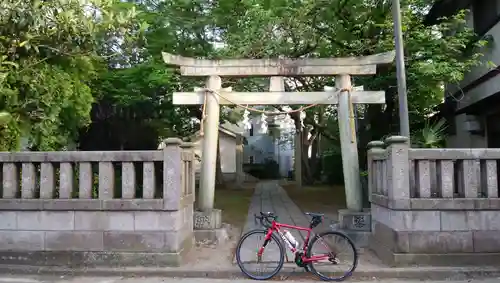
[[436, 248], [207, 220], [360, 238], [355, 220], [212, 236], [394, 259], [91, 259]]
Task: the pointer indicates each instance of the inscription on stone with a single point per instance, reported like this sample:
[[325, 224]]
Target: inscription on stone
[[359, 221], [206, 220], [201, 221]]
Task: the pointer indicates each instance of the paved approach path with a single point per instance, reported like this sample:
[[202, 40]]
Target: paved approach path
[[269, 196]]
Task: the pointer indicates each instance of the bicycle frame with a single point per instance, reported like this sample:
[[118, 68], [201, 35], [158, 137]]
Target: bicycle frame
[[276, 227]]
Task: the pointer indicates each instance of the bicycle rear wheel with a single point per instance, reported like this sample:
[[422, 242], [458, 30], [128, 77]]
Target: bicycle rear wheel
[[248, 247], [328, 246]]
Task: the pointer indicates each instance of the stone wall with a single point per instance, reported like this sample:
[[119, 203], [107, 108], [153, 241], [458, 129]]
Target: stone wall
[[97, 208], [434, 206]]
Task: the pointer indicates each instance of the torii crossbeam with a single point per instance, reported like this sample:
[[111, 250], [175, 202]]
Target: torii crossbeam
[[276, 69]]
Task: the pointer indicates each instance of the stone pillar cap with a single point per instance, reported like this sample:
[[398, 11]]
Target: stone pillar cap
[[396, 139], [375, 144], [187, 145], [172, 141]]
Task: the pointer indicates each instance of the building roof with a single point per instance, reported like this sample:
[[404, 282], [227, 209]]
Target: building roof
[[445, 8]]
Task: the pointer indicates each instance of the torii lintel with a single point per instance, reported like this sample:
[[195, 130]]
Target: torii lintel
[[364, 65]]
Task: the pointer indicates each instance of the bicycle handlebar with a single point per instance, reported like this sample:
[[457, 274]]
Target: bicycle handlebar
[[266, 220]]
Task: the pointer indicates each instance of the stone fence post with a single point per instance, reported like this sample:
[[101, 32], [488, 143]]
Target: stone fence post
[[172, 174], [398, 170], [373, 174]]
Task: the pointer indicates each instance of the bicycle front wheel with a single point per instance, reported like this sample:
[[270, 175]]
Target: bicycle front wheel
[[334, 256], [262, 267]]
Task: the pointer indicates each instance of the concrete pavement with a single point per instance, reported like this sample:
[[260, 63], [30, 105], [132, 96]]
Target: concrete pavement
[[54, 279]]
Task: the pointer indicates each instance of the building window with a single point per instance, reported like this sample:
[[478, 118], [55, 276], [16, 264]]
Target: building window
[[485, 15], [250, 160]]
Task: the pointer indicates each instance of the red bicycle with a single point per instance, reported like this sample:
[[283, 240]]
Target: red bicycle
[[303, 257]]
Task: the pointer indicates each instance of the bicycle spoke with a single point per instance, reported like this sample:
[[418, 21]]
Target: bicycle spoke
[[262, 266], [333, 256]]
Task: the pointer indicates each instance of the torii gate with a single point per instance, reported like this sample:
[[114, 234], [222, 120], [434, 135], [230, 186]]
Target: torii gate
[[342, 68]]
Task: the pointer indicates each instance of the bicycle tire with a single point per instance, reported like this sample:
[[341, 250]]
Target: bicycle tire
[[238, 255], [351, 244]]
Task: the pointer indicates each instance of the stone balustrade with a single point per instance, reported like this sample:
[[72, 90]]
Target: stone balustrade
[[436, 206], [93, 208]]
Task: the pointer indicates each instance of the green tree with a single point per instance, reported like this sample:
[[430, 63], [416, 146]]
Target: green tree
[[312, 28], [49, 53]]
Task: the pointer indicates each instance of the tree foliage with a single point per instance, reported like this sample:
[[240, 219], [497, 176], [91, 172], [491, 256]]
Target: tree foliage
[[49, 53]]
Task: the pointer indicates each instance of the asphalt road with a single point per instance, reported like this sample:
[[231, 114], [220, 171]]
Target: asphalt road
[[54, 279]]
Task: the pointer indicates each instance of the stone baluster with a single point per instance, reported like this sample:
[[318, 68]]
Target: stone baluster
[[446, 178], [398, 177], [85, 180], [106, 180], [10, 181], [28, 180], [187, 160], [490, 178], [471, 178], [148, 180], [47, 184], [423, 178], [65, 180], [128, 180]]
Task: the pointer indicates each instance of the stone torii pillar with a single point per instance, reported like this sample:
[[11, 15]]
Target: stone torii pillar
[[341, 67]]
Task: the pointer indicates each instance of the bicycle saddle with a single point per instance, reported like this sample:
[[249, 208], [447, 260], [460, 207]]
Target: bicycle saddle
[[267, 214], [312, 214]]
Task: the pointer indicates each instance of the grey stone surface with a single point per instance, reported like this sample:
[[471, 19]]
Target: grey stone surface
[[441, 242], [424, 178], [10, 180], [158, 221], [106, 180], [104, 221], [128, 180], [85, 180], [212, 236], [85, 259], [21, 240], [148, 180], [355, 220], [74, 241], [471, 177], [446, 178], [28, 180], [205, 220], [65, 180], [135, 241], [491, 178], [172, 171], [47, 181], [8, 220], [404, 220], [486, 241], [45, 220], [397, 168]]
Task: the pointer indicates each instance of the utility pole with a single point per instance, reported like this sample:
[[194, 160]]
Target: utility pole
[[404, 121]]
